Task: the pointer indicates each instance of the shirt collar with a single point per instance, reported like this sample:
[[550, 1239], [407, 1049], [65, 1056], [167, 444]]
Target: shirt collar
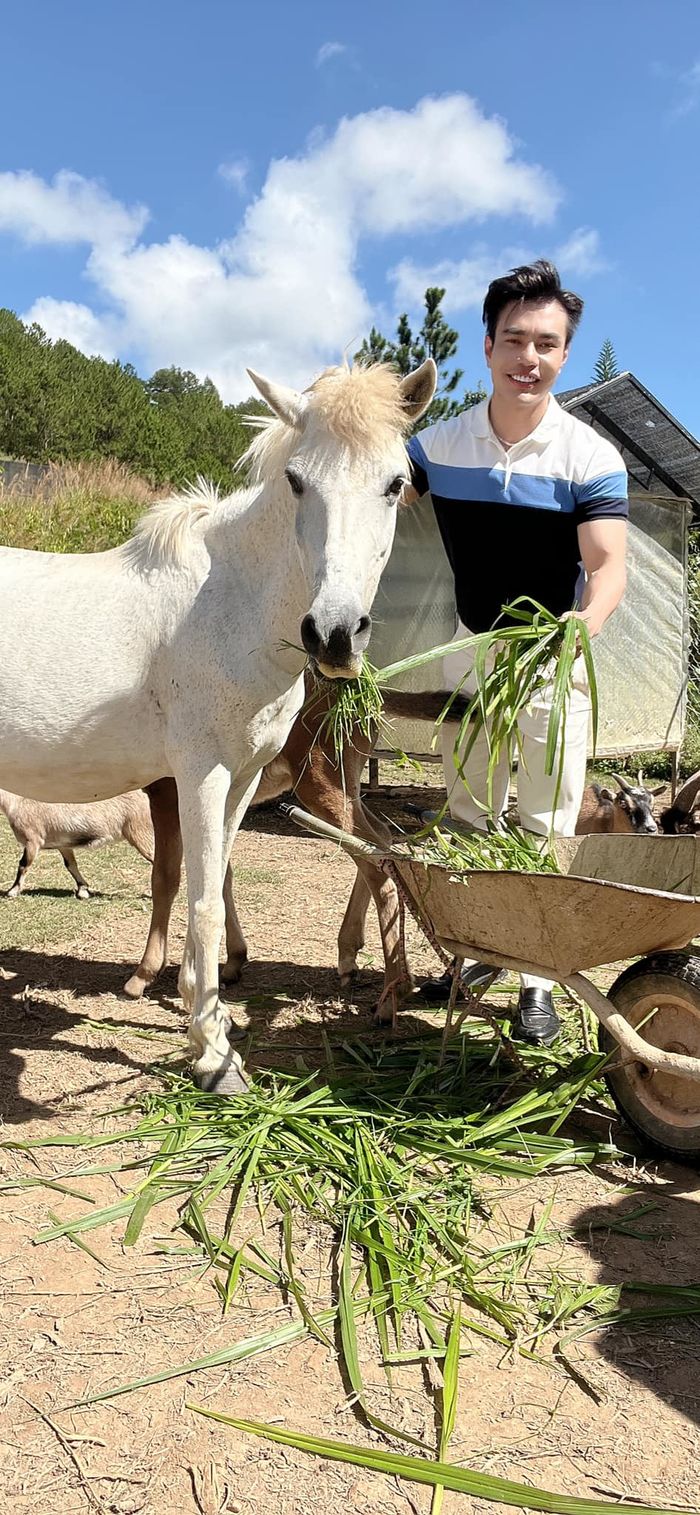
[[481, 424]]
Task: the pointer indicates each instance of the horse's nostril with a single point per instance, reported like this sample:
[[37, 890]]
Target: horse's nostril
[[309, 635], [364, 624]]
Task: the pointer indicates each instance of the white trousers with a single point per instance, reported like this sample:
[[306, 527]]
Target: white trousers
[[536, 789]]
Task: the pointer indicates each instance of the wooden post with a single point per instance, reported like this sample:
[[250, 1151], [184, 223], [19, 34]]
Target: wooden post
[[674, 773]]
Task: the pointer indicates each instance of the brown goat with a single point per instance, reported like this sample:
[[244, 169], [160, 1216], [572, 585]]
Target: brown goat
[[37, 825], [306, 765], [629, 810]]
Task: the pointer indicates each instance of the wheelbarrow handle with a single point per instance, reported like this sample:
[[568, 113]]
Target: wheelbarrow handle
[[352, 844]]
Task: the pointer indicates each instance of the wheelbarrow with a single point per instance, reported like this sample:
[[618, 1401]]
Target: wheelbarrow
[[559, 926]]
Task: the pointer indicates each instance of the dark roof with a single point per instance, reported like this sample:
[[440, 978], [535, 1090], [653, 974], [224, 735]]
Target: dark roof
[[637, 422]]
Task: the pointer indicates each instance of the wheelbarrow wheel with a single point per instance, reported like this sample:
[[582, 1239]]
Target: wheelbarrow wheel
[[663, 993]]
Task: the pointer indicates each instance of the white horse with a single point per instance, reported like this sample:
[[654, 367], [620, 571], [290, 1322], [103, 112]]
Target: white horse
[[178, 654]]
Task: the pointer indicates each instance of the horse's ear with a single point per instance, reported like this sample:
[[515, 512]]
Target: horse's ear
[[288, 404], [418, 388]]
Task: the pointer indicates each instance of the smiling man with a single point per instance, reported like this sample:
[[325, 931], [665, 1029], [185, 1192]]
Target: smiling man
[[529, 501]]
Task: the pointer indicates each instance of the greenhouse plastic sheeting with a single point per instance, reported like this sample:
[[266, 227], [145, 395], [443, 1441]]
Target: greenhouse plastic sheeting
[[641, 656]]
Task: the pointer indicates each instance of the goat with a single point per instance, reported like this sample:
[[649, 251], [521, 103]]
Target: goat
[[331, 791], [682, 815], [630, 810], [38, 825]]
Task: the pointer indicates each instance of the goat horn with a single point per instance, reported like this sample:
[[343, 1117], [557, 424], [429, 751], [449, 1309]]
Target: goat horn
[[687, 795], [625, 787]]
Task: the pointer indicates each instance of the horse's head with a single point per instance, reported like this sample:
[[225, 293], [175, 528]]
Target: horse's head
[[342, 451]]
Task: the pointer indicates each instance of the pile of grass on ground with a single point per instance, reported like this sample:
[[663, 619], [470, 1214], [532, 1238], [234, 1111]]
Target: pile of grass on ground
[[400, 1156], [76, 507], [397, 1151]]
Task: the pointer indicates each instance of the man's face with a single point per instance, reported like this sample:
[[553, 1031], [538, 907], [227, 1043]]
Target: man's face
[[528, 352]]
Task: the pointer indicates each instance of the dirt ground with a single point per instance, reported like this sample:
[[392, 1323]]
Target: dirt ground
[[621, 1421]]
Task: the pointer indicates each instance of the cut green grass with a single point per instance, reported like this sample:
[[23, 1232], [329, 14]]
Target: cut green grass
[[436, 1474], [398, 1163], [393, 1156], [506, 850], [512, 664]]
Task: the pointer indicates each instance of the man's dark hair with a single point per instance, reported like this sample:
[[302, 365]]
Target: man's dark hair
[[537, 283]]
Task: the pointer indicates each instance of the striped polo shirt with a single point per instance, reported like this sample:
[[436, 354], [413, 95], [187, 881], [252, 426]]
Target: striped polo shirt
[[509, 518]]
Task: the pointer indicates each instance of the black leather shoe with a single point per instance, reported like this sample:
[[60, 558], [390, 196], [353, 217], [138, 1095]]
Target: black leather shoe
[[536, 1020], [437, 990]]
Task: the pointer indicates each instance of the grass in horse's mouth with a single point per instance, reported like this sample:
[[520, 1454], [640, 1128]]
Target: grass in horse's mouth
[[510, 664]]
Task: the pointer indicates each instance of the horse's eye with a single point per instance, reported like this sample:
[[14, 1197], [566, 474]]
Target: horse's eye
[[395, 487], [295, 483]]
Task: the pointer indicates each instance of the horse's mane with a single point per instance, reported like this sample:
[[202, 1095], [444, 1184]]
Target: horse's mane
[[164, 533], [363, 408]]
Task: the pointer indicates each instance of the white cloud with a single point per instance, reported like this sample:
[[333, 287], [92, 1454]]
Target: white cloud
[[283, 293], [329, 50], [68, 321], [440, 164], [580, 255], [688, 91], [464, 281], [235, 173], [71, 209]]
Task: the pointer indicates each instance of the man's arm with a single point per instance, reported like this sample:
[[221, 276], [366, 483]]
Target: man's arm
[[602, 543]]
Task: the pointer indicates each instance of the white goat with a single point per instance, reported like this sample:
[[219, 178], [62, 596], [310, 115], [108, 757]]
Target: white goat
[[36, 825]]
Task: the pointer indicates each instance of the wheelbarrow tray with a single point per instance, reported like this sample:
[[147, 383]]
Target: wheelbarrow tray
[[557, 924], [667, 863]]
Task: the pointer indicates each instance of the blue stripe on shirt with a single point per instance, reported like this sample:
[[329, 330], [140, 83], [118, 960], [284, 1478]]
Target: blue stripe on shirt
[[530, 491], [608, 486], [488, 484]]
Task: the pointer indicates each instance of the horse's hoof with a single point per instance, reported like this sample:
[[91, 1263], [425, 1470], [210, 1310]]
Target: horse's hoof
[[137, 985], [83, 893], [347, 978], [230, 971], [228, 1080], [13, 893]]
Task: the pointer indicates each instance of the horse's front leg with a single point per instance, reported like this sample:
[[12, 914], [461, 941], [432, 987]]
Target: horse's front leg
[[210, 812]]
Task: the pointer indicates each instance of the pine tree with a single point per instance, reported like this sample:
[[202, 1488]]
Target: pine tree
[[606, 364], [56, 404], [435, 339]]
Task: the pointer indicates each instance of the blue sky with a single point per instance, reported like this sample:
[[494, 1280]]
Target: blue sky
[[217, 184]]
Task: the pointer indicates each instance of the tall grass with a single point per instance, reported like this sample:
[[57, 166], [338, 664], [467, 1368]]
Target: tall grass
[[75, 507]]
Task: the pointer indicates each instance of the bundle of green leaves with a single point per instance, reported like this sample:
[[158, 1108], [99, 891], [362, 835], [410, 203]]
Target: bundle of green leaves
[[512, 663]]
